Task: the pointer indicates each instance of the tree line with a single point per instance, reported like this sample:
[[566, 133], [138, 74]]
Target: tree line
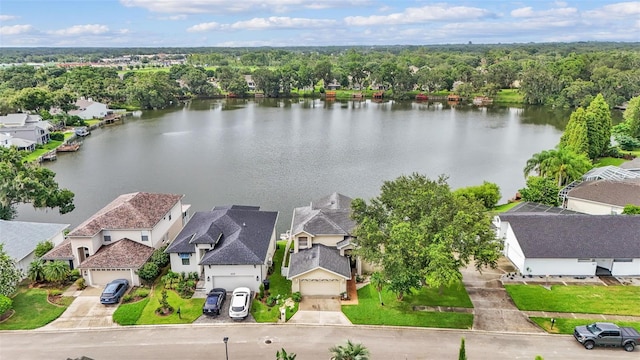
[[565, 75]]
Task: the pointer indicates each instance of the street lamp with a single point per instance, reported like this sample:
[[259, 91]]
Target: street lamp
[[226, 351]]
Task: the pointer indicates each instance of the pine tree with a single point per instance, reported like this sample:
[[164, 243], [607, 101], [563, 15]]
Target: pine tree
[[598, 116], [575, 136]]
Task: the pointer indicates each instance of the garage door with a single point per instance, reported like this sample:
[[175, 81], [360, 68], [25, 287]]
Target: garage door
[[101, 277], [313, 287], [231, 282]]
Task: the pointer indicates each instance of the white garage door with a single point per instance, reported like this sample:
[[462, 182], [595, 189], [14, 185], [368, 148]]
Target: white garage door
[[101, 277], [231, 282], [313, 287]]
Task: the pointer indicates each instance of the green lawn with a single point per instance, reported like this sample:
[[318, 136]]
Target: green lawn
[[128, 314], [278, 285], [509, 96], [504, 207], [608, 161], [33, 156], [565, 326], [401, 313], [32, 310], [615, 300], [190, 309]]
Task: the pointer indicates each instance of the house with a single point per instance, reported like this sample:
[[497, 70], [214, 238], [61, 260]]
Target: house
[[321, 240], [229, 247], [250, 83], [88, 109], [556, 243], [26, 126], [6, 140], [20, 239], [603, 197], [118, 239]]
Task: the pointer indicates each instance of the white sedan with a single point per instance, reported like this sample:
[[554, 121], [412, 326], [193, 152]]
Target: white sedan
[[240, 303]]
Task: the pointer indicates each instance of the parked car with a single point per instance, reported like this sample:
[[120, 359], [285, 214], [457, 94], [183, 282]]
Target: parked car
[[240, 303], [607, 334], [114, 290], [214, 302]]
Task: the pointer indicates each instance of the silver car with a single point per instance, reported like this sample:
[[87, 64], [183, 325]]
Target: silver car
[[240, 303]]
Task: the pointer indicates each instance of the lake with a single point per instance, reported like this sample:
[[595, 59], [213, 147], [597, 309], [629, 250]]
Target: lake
[[281, 154]]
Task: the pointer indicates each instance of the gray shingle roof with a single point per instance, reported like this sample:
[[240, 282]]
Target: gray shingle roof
[[619, 193], [20, 238], [122, 254], [319, 257], [242, 233], [138, 210], [576, 236], [330, 215]]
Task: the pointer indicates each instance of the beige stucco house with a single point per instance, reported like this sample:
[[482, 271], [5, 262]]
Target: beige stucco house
[[117, 240], [229, 247], [321, 238], [603, 197]]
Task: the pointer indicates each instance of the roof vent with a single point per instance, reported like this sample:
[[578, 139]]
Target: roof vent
[[244, 224]]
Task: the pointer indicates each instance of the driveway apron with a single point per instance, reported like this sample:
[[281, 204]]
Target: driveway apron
[[85, 312], [319, 311], [493, 308]]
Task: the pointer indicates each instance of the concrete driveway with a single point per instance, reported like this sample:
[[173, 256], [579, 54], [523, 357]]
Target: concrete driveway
[[319, 311], [85, 312]]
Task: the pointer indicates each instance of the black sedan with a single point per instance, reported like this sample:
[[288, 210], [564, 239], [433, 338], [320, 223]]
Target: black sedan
[[214, 302], [114, 291]]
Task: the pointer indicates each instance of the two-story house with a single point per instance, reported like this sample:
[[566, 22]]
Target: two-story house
[[118, 239], [322, 242], [26, 126], [229, 246], [88, 109]]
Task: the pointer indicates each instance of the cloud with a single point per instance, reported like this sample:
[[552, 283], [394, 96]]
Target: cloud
[[226, 6], [528, 12], [76, 30], [173, 17], [8, 17], [615, 11], [15, 29], [205, 27], [419, 15], [274, 22]]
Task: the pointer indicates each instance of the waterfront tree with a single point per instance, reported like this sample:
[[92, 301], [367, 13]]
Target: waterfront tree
[[419, 233], [575, 136], [598, 118], [10, 275], [22, 182], [541, 190]]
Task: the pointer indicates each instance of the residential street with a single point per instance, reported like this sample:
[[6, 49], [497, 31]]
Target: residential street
[[249, 341]]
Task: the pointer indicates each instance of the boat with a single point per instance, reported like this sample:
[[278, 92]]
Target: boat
[[69, 147], [82, 131], [422, 97]]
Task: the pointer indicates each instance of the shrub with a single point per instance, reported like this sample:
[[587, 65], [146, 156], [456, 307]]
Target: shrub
[[148, 272], [296, 296], [74, 275], [43, 247], [261, 292], [160, 258], [127, 298], [57, 136], [271, 300], [627, 142], [5, 304], [80, 284], [55, 292], [143, 293]]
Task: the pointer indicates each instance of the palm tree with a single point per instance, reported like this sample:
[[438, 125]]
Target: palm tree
[[377, 281], [36, 270], [282, 355], [536, 163], [56, 271], [350, 351], [564, 165]]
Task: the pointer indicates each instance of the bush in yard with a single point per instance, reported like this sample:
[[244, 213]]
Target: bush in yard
[[56, 271], [627, 142], [296, 296], [143, 293], [261, 292], [160, 258], [148, 272], [127, 298], [80, 284], [5, 304], [55, 292], [43, 247], [271, 300], [57, 136], [74, 275]]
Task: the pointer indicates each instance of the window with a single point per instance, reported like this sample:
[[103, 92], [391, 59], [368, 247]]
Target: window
[[185, 261], [622, 260], [303, 242], [107, 238], [585, 260], [145, 236], [185, 258]]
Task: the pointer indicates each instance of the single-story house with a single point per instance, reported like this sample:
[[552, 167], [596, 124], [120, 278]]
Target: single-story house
[[545, 243], [322, 242], [603, 197], [118, 239], [20, 238], [88, 109], [229, 247]]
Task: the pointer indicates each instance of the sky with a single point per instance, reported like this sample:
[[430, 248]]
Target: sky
[[276, 23]]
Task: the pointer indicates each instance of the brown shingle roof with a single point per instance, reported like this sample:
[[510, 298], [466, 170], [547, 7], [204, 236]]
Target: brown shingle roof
[[124, 253], [619, 193], [61, 252], [138, 210]]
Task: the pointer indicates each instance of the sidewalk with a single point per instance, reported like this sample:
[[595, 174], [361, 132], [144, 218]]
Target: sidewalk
[[602, 317]]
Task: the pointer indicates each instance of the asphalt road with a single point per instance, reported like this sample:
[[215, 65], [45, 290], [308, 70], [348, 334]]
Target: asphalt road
[[250, 341]]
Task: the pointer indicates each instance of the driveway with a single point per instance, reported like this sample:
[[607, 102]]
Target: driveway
[[319, 311], [224, 315], [85, 312], [492, 306]]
